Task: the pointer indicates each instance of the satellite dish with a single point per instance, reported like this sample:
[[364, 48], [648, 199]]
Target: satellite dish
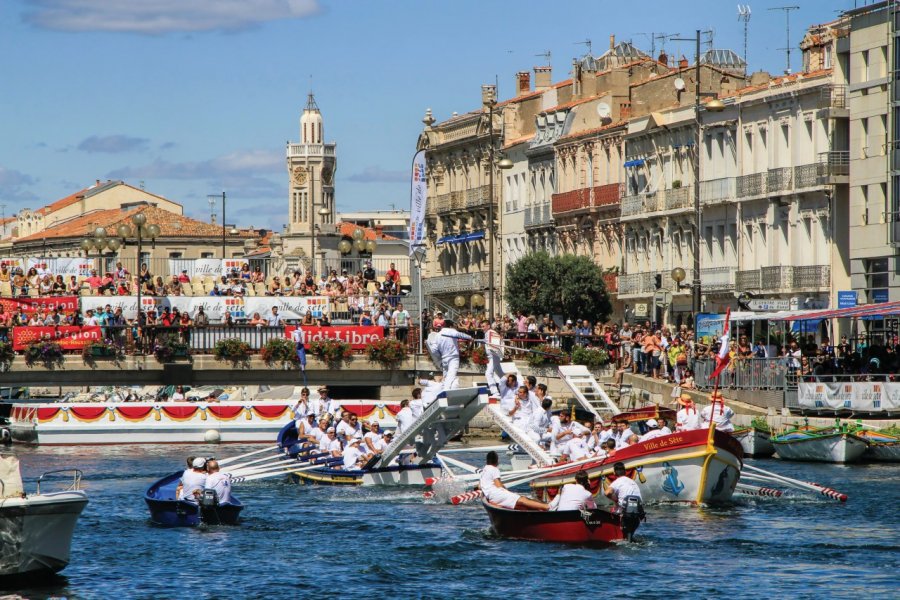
[[603, 110], [679, 84]]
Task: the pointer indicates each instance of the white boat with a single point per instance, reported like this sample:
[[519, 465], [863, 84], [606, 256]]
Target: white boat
[[831, 445], [755, 442], [882, 447], [36, 530], [150, 422]]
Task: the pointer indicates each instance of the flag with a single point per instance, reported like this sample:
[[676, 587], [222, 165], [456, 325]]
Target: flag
[[723, 358], [418, 200]]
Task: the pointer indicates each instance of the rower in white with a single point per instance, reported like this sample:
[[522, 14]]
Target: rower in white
[[405, 417], [193, 481], [653, 431], [622, 487], [575, 496], [353, 456], [373, 439], [330, 443], [561, 433], [416, 405], [492, 348], [219, 482], [495, 492]]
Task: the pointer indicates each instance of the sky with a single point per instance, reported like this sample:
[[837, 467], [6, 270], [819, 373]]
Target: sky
[[194, 97]]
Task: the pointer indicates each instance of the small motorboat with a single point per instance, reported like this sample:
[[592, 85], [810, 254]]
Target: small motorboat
[[882, 447], [36, 530], [168, 511], [597, 527], [838, 444], [755, 441]]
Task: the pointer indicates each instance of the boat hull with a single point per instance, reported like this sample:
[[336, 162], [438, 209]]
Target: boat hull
[[166, 511], [882, 447], [594, 528], [681, 467], [831, 448], [36, 533], [754, 442]]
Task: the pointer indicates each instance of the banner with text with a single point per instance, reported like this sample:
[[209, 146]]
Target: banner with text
[[207, 267], [860, 396], [13, 263], [417, 201], [65, 304], [68, 337], [357, 336], [290, 308], [62, 266]]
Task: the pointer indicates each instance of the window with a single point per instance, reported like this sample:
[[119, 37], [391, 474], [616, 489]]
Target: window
[[206, 255], [827, 59], [864, 72], [175, 254], [877, 275]]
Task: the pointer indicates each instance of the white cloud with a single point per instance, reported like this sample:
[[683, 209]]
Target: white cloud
[[244, 163], [157, 17]]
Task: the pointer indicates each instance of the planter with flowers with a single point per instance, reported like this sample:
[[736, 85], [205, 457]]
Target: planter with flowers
[[387, 351], [105, 348], [169, 347], [279, 351], [331, 351], [44, 352]]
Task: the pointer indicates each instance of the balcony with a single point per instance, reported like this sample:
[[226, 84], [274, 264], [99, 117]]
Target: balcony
[[632, 205], [833, 100], [478, 197], [601, 196], [779, 180], [785, 279], [751, 185], [716, 191], [717, 279], [538, 216], [678, 198], [441, 203], [452, 284], [611, 281], [644, 284], [301, 150]]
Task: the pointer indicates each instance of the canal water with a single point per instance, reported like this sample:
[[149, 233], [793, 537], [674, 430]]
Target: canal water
[[306, 542]]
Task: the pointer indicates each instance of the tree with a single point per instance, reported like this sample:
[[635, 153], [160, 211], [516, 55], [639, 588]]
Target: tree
[[568, 285]]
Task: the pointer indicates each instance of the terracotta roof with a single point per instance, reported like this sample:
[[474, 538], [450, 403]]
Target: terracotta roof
[[73, 198], [570, 104], [172, 225], [778, 81], [346, 230], [600, 129], [521, 98], [518, 140]]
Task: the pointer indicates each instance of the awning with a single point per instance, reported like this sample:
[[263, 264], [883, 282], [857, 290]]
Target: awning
[[883, 309], [444, 239], [461, 238], [634, 163], [475, 235]]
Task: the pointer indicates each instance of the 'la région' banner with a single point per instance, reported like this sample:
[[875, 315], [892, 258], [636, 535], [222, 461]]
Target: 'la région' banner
[[69, 337], [65, 304]]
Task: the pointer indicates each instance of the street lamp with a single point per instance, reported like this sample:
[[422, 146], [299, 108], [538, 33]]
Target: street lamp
[[140, 231], [211, 198], [714, 105], [490, 102]]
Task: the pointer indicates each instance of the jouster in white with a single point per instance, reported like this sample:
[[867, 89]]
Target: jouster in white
[[688, 417], [492, 347], [446, 345], [494, 493], [718, 412]]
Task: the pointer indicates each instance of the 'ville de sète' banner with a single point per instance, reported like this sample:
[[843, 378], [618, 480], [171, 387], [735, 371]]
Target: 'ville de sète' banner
[[289, 307], [65, 304], [65, 266], [860, 396], [417, 202], [69, 337], [207, 267], [357, 336]]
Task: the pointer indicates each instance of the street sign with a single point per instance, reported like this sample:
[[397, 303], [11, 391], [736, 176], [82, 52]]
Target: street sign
[[846, 298], [662, 297], [891, 324], [769, 305], [640, 310]]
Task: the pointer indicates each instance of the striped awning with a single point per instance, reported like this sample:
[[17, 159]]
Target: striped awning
[[634, 163], [883, 309]]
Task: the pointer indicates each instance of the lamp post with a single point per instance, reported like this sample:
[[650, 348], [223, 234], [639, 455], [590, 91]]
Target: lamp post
[[140, 231], [713, 106], [212, 198], [420, 258], [490, 103]]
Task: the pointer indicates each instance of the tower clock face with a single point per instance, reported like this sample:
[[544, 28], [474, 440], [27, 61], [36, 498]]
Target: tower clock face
[[299, 176], [327, 175]]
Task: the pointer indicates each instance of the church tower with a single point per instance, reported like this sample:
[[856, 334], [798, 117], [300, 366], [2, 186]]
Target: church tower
[[311, 165]]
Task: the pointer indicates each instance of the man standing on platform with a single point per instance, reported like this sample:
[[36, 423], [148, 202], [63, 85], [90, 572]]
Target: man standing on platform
[[494, 352], [447, 346]]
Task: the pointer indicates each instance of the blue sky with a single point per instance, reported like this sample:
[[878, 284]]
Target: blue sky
[[191, 97]]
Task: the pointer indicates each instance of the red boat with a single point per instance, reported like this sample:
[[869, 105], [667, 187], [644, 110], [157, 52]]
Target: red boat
[[596, 527]]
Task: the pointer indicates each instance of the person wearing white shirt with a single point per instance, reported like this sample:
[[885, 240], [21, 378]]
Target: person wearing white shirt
[[688, 417], [607, 432], [329, 405], [404, 418], [178, 396], [373, 438], [542, 422], [623, 439], [193, 481], [622, 487], [508, 387], [654, 431], [431, 389], [446, 344], [346, 427], [576, 448], [352, 453], [575, 496], [219, 482], [304, 425], [520, 413], [316, 407], [493, 349], [274, 319], [562, 432], [718, 412], [495, 492], [89, 319], [316, 433], [416, 405], [664, 426], [298, 336], [301, 409]]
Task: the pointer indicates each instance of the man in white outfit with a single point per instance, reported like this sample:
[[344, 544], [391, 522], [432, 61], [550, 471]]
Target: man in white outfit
[[492, 347], [404, 417], [218, 481], [431, 389], [718, 412], [622, 487], [416, 405], [688, 417], [194, 481], [653, 431], [495, 492], [447, 346], [575, 496]]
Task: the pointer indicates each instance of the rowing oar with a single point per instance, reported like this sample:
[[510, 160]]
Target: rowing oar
[[813, 487], [228, 461], [254, 477], [514, 478], [278, 457], [277, 463], [516, 348], [752, 490]]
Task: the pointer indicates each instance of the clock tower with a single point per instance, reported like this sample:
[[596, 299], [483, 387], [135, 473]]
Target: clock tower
[[311, 165]]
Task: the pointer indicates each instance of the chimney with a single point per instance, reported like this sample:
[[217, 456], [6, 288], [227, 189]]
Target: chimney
[[683, 63], [663, 59], [523, 83], [488, 94], [543, 78], [612, 41]]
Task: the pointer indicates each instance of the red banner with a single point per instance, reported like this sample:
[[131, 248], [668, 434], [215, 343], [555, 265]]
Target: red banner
[[69, 337], [65, 304], [358, 336]]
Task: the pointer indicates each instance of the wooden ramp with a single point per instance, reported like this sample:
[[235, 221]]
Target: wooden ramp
[[443, 419]]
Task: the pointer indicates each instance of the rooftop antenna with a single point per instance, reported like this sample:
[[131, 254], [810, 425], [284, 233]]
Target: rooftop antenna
[[213, 200], [663, 38], [744, 15], [586, 42], [787, 49], [652, 37], [710, 34], [548, 56]]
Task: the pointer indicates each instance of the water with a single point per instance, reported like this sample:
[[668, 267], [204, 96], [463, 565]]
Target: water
[[305, 542]]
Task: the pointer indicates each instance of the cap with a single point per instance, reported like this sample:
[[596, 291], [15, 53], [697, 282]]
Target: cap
[[329, 430], [323, 388], [354, 440], [651, 423], [568, 321], [199, 463], [389, 432]]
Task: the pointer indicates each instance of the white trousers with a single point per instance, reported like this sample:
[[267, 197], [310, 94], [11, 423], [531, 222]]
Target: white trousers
[[494, 372], [450, 368]]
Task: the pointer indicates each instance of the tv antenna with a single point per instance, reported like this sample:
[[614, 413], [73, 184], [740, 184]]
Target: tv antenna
[[744, 15], [710, 35], [587, 43], [548, 56], [787, 21]]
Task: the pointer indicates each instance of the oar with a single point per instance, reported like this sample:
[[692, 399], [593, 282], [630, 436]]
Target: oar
[[228, 461], [514, 478], [478, 449], [813, 487], [752, 490], [516, 348], [302, 453], [274, 474], [457, 463], [283, 462]]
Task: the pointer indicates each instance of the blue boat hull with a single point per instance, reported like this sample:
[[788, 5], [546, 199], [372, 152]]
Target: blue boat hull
[[166, 511]]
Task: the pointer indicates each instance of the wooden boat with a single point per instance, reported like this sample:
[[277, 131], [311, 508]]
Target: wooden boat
[[685, 466], [596, 527], [651, 411], [37, 528], [755, 442], [168, 511], [824, 444], [881, 446]]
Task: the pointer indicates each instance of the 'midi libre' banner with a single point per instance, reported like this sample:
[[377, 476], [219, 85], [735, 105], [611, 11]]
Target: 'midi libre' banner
[[65, 304], [69, 337], [357, 336], [289, 307]]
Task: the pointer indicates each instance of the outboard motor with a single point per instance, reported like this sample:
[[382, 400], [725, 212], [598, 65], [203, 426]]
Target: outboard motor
[[632, 516], [209, 499]]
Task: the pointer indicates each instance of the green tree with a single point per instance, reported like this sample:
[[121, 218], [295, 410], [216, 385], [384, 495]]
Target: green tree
[[568, 285]]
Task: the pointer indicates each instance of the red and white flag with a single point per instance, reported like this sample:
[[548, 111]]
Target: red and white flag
[[723, 358]]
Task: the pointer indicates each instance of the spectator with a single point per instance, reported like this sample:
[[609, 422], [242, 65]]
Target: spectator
[[201, 320], [94, 281], [121, 272], [583, 333], [275, 319], [369, 272], [144, 276], [258, 320], [401, 323], [257, 276], [183, 278], [393, 274], [59, 286]]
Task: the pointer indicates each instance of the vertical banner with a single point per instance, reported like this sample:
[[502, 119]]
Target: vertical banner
[[418, 200]]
